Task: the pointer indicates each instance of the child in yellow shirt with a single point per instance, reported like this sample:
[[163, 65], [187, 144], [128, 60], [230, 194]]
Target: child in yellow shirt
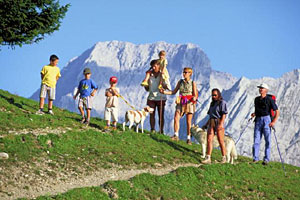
[[49, 75]]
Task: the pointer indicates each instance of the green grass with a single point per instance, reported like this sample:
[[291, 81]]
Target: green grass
[[243, 181], [84, 150]]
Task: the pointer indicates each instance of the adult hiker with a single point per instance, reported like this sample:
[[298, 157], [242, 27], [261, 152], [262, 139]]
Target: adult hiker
[[185, 103], [155, 98], [215, 125], [263, 122]]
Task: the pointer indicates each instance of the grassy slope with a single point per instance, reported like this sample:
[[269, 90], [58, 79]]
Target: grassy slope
[[90, 148]]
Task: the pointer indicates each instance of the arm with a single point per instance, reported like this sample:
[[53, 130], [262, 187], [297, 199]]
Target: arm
[[222, 120], [77, 93], [272, 124], [171, 92], [195, 91], [94, 91], [115, 92], [42, 76]]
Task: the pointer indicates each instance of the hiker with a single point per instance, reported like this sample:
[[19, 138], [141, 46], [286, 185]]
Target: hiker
[[112, 103], [87, 89], [263, 122], [49, 75], [215, 125], [155, 98], [185, 103], [162, 62]]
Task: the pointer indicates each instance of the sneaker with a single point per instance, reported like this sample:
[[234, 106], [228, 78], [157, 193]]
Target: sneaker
[[265, 162], [114, 128], [189, 142], [86, 122], [83, 120], [106, 127], [50, 112], [175, 138], [144, 83], [39, 112], [206, 161], [224, 160]]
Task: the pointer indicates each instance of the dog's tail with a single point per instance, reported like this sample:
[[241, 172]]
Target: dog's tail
[[126, 120], [234, 152]]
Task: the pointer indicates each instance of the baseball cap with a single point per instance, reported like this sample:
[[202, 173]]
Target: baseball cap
[[87, 71], [263, 85], [113, 79]]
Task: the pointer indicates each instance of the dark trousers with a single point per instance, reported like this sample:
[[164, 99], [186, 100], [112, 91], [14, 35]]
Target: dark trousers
[[157, 104]]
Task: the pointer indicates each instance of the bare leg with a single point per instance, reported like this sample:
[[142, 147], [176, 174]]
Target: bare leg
[[88, 113], [176, 121], [210, 137], [42, 102], [107, 122], [50, 104], [220, 134], [189, 123]]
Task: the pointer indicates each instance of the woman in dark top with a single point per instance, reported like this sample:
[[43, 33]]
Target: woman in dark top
[[217, 114]]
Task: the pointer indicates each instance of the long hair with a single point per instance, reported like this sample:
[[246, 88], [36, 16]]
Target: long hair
[[219, 99]]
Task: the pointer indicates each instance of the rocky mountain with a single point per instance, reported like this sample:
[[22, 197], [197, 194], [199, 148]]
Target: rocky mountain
[[129, 63]]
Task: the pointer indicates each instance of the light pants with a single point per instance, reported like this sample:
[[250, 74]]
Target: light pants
[[262, 128]]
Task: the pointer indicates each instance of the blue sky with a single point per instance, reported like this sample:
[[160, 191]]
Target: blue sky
[[245, 38]]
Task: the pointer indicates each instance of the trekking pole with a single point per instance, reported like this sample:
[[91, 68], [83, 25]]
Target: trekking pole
[[160, 115], [279, 151], [248, 122]]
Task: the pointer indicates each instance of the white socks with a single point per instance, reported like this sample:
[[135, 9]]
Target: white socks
[[189, 137], [176, 134]]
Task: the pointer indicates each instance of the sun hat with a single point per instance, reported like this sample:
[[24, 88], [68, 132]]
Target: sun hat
[[87, 71], [263, 85], [113, 79]]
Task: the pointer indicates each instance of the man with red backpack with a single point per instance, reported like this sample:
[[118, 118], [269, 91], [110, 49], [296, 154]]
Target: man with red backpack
[[265, 106]]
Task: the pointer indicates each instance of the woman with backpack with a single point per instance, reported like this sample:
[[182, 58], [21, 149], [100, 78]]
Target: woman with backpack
[[185, 103]]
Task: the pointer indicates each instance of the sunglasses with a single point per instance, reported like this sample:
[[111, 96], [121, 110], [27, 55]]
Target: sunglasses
[[185, 72], [214, 95]]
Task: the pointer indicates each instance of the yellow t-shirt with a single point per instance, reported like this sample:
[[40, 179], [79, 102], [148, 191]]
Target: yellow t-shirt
[[50, 73]]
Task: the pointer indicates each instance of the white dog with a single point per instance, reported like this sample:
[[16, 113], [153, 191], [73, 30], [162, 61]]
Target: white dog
[[137, 117], [201, 136]]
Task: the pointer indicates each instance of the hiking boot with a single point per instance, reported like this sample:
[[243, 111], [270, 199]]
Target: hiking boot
[[39, 112], [50, 112], [265, 162], [175, 138], [114, 128], [224, 160], [144, 83], [189, 142], [106, 127], [206, 161]]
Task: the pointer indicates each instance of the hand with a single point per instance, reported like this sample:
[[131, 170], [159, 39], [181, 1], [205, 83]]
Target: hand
[[194, 99], [74, 97], [162, 90], [252, 115], [92, 94], [272, 124], [220, 127]]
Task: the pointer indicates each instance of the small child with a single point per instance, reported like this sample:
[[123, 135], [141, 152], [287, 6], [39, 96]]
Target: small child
[[49, 75], [162, 61], [112, 103], [87, 89]]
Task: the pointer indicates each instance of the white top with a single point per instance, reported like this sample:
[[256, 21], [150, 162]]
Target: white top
[[154, 93], [112, 101]]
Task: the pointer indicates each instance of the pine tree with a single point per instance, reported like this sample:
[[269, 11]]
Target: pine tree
[[29, 21]]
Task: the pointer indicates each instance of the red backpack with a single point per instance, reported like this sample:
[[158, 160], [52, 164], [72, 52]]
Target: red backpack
[[272, 111]]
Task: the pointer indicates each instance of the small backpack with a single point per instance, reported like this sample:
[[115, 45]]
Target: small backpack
[[273, 112]]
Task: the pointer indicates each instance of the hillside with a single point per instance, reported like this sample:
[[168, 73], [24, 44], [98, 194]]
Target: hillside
[[54, 154], [129, 62]]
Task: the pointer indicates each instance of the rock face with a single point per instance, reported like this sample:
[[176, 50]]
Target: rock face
[[129, 62]]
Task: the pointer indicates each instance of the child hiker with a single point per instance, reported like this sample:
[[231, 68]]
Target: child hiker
[[49, 75], [162, 61], [86, 88], [112, 103]]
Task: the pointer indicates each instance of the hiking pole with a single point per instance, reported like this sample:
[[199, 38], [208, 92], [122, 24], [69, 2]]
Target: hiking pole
[[279, 151], [160, 115], [248, 122]]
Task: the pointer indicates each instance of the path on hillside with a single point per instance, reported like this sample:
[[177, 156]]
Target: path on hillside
[[54, 186]]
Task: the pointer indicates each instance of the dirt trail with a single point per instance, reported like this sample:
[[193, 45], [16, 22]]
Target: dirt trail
[[52, 186]]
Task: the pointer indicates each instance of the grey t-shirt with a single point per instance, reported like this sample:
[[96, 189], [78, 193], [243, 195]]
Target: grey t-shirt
[[216, 110]]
